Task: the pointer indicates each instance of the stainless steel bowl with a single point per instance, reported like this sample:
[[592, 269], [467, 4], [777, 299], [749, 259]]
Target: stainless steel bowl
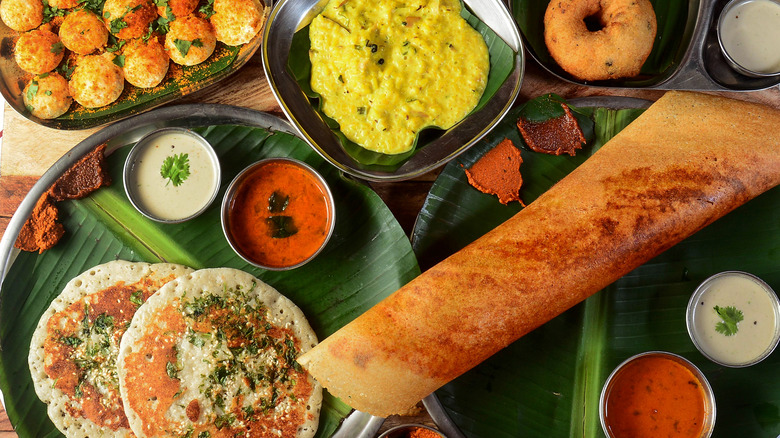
[[130, 168], [709, 395], [398, 431], [729, 57], [693, 309], [230, 193], [289, 16]]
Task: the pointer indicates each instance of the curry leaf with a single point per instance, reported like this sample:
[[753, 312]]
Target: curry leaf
[[278, 202], [281, 226]]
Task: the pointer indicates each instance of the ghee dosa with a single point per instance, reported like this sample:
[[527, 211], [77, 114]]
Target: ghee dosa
[[688, 160]]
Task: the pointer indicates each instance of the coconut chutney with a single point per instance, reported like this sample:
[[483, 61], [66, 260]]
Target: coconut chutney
[[387, 69], [163, 154], [749, 32], [756, 330]]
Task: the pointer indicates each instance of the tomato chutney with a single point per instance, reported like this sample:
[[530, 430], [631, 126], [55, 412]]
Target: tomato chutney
[[657, 394], [278, 213]]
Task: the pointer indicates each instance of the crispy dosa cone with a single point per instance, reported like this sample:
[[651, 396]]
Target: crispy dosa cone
[[688, 160]]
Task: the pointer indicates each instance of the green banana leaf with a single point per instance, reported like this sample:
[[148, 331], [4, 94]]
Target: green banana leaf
[[547, 384], [502, 62], [673, 36], [367, 258]]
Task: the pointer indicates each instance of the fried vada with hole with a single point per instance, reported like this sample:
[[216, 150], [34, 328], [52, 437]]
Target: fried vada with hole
[[47, 96], [38, 51], [177, 8], [146, 62], [83, 32], [96, 81], [21, 15], [236, 22], [128, 19], [617, 50], [190, 40]]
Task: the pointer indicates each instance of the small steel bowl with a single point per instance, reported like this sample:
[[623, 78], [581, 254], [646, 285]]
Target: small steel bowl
[[693, 307], [132, 166], [729, 58], [709, 395], [398, 431], [229, 197]]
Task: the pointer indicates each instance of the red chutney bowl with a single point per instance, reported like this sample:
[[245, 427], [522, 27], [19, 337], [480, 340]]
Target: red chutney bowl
[[278, 214], [657, 394]]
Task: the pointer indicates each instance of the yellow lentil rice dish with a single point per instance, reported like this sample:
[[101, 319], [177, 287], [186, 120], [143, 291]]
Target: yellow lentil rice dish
[[387, 69]]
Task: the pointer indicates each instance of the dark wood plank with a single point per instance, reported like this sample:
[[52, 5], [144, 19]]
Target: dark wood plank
[[12, 190]]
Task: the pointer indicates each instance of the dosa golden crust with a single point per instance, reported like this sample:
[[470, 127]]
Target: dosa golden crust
[[688, 160]]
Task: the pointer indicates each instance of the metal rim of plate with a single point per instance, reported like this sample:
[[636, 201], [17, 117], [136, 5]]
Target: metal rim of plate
[[125, 132], [432, 402], [356, 424], [697, 67], [11, 77], [288, 16]]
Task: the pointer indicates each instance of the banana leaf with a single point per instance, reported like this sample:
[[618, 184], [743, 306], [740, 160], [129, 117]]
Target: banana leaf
[[547, 384], [674, 29], [502, 62], [367, 258]]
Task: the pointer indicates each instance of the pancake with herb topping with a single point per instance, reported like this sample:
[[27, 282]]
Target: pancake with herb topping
[[214, 354], [74, 348]]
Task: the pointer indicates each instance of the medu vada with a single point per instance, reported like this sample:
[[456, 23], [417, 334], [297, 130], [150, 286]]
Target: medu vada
[[617, 49]]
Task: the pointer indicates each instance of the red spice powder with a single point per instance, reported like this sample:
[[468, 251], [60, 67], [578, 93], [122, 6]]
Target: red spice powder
[[498, 173]]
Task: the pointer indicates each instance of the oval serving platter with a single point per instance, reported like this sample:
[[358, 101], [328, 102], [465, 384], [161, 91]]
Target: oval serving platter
[[367, 258], [288, 17], [685, 55], [548, 383], [178, 82]]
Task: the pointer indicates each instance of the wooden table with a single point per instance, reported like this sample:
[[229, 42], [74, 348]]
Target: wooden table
[[28, 150]]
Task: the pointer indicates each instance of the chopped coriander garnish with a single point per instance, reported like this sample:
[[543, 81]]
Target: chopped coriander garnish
[[207, 9], [71, 341], [176, 169], [172, 370], [32, 90], [57, 48], [119, 60], [730, 318], [137, 297], [183, 46], [116, 25]]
